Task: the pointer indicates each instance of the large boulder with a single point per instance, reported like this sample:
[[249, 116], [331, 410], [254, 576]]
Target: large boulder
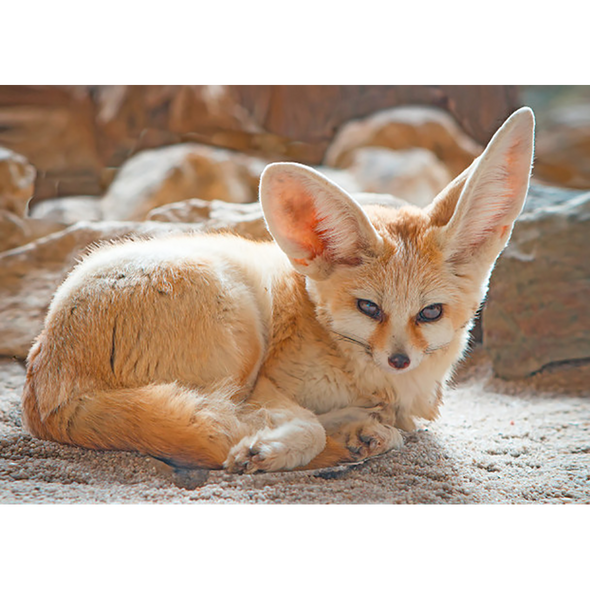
[[537, 307], [16, 231], [68, 210], [562, 151], [17, 181], [405, 128], [175, 173], [243, 219], [78, 136], [415, 175]]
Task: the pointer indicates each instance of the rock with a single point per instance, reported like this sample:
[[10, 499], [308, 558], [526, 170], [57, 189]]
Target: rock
[[537, 306], [404, 128], [17, 181], [562, 150], [54, 128], [157, 177], [245, 219], [77, 135], [189, 479], [68, 210], [342, 178], [379, 199], [15, 231], [415, 175]]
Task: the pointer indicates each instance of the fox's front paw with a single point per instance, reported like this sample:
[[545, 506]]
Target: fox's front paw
[[250, 456], [370, 438], [293, 445]]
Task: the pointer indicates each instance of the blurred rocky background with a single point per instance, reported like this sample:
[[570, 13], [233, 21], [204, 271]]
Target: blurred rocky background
[[80, 164]]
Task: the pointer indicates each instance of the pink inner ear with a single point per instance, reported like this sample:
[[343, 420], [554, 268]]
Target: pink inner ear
[[296, 217]]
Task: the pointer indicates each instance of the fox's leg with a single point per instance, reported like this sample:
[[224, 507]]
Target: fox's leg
[[355, 433], [289, 435]]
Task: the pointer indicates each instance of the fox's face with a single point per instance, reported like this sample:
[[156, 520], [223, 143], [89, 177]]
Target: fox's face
[[405, 303], [397, 286]]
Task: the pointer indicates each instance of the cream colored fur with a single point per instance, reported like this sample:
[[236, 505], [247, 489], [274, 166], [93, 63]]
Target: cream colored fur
[[218, 351]]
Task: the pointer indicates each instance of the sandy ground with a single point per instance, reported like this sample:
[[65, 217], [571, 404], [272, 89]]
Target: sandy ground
[[495, 442]]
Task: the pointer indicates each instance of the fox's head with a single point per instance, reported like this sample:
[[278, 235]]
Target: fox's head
[[402, 285]]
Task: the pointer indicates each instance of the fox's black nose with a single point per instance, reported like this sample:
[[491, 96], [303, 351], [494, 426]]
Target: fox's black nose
[[399, 361]]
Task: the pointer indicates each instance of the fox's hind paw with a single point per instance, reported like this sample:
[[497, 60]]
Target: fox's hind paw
[[370, 438]]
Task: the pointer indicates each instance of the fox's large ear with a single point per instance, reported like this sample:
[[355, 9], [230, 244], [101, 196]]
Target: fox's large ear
[[478, 210], [316, 223]]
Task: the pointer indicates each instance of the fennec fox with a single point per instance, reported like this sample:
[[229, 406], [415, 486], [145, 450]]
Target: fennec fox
[[216, 351]]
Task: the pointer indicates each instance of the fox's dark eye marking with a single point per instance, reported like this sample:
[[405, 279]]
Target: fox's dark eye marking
[[431, 313], [369, 308]]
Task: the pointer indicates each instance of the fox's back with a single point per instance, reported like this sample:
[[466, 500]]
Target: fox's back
[[190, 309]]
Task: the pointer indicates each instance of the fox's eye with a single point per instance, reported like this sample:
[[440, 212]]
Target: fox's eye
[[430, 313], [369, 308]]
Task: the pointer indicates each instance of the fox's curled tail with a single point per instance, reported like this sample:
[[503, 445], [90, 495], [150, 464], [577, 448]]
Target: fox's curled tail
[[168, 421]]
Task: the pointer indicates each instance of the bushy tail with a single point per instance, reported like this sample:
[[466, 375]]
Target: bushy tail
[[168, 421]]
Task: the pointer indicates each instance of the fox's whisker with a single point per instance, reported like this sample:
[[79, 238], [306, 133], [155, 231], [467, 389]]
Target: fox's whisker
[[433, 349], [352, 340]]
